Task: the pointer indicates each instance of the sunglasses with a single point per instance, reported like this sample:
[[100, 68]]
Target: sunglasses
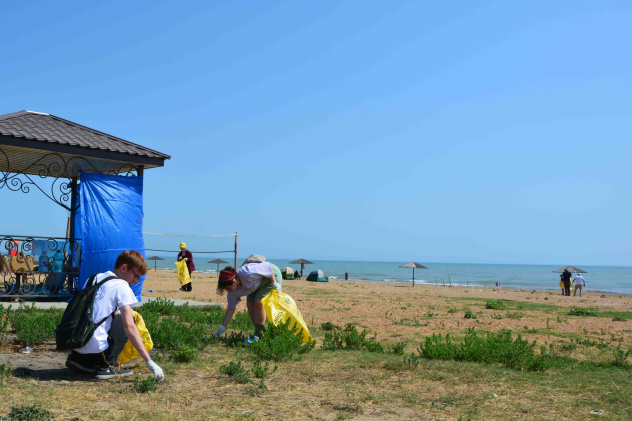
[[135, 274]]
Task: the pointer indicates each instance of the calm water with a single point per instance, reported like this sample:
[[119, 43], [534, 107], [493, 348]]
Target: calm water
[[617, 279]]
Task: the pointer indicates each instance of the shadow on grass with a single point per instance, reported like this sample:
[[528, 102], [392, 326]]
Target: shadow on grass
[[51, 374]]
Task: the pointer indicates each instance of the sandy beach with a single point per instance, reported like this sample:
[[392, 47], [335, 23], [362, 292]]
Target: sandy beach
[[400, 311]]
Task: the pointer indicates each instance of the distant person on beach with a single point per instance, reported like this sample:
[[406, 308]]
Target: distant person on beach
[[253, 280], [113, 303], [579, 284], [566, 278], [346, 276], [188, 257]]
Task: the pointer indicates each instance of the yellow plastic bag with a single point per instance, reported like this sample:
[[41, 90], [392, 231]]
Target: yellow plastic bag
[[572, 286], [280, 307], [129, 352], [183, 272]]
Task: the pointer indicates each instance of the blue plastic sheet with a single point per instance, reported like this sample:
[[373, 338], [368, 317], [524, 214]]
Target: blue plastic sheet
[[111, 222]]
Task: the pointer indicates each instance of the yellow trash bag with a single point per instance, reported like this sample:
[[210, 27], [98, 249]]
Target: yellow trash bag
[[183, 272], [572, 286], [280, 307], [129, 352]]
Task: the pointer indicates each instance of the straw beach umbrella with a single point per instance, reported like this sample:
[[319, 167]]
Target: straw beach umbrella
[[303, 262], [413, 265], [571, 269], [218, 261], [155, 259]]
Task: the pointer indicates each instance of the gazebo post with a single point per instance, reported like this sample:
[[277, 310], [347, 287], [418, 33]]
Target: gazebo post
[[73, 213], [235, 251]]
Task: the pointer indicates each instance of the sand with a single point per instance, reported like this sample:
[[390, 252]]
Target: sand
[[392, 310]]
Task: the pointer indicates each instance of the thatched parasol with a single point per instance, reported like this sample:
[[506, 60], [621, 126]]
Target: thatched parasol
[[218, 261], [413, 265], [571, 269], [155, 259], [302, 262]]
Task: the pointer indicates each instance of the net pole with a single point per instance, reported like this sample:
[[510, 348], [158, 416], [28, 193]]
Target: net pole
[[235, 250]]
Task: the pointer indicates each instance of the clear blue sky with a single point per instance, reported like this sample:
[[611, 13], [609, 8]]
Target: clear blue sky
[[351, 130]]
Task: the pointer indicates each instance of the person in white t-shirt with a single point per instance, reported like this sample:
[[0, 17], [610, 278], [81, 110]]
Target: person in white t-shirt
[[580, 282], [253, 280], [113, 302]]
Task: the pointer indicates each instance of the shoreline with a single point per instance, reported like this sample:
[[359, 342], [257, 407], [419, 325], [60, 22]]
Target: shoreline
[[212, 275]]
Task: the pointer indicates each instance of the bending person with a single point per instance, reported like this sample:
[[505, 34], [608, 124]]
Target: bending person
[[253, 280]]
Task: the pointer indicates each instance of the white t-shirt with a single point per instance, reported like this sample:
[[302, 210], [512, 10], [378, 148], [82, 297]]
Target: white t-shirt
[[579, 280], [250, 276], [110, 296]]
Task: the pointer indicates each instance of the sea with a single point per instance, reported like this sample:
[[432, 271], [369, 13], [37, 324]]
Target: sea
[[615, 279]]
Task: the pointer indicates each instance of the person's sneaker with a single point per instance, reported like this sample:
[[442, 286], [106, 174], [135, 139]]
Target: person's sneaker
[[111, 373], [251, 339], [78, 368]]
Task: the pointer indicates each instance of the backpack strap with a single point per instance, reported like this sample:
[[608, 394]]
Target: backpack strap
[[109, 278]]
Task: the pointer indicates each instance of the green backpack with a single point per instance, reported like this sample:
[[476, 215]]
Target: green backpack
[[76, 326]]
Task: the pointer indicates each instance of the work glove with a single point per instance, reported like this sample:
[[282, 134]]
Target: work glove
[[276, 286], [156, 370], [219, 331]]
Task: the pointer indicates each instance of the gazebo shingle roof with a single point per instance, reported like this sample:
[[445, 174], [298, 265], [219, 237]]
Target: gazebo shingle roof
[[48, 128], [33, 143]]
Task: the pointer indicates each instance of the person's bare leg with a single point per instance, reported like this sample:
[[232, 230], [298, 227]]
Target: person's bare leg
[[260, 317], [251, 313]]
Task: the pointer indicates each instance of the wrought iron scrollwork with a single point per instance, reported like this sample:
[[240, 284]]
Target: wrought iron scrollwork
[[22, 276], [55, 166]]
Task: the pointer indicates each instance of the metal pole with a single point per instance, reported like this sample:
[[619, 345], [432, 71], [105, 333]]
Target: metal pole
[[235, 250], [413, 276]]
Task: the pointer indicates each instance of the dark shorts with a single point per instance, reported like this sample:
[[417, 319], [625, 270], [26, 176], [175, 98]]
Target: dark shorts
[[265, 286]]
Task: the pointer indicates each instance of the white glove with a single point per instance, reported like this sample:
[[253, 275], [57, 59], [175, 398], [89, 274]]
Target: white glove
[[186, 258], [154, 368], [276, 286], [219, 331]]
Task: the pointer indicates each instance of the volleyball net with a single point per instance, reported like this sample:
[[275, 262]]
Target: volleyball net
[[206, 249]]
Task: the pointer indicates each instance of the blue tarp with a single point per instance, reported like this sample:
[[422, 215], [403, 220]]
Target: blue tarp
[[111, 216]]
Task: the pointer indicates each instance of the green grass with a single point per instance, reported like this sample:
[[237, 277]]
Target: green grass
[[351, 339], [494, 348]]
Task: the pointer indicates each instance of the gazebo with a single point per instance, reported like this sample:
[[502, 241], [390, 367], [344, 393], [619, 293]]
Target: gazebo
[[39, 151]]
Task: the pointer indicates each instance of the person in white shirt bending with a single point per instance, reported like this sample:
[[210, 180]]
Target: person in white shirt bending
[[254, 280]]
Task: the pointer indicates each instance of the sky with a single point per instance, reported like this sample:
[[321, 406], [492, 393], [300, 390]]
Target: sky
[[465, 132]]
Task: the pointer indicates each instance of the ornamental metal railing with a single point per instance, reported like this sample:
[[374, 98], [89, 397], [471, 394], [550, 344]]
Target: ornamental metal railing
[[34, 266]]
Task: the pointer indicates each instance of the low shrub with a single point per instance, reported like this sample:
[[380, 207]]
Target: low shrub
[[171, 333], [34, 327], [185, 354], [516, 316], [236, 371], [398, 348], [495, 348], [351, 339], [586, 312], [495, 305], [469, 314], [160, 306], [145, 386], [327, 326], [280, 343], [621, 358], [4, 322], [260, 371], [28, 413], [5, 373]]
